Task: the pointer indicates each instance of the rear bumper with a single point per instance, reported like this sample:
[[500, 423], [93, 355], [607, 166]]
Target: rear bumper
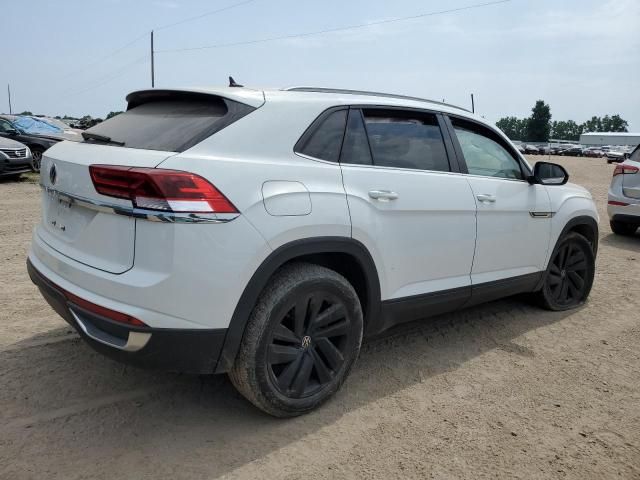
[[182, 350]]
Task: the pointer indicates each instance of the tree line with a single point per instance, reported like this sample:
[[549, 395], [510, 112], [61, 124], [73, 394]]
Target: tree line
[[539, 127]]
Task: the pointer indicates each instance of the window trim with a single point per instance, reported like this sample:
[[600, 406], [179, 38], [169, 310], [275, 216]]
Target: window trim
[[524, 169], [313, 128], [451, 157]]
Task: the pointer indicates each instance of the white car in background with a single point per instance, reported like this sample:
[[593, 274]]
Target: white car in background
[[265, 233], [623, 206]]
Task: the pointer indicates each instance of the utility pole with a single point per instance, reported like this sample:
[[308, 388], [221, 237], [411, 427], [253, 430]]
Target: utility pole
[[473, 105], [153, 75], [9, 93]]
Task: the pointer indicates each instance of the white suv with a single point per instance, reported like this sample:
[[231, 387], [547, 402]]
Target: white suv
[[264, 233], [624, 196]]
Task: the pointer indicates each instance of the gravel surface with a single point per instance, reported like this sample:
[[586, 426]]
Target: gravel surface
[[503, 390]]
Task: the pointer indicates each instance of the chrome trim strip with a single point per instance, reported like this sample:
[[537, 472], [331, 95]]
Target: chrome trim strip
[[136, 340], [140, 213], [542, 214]]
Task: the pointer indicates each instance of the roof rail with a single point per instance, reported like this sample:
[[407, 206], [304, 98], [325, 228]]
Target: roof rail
[[373, 94]]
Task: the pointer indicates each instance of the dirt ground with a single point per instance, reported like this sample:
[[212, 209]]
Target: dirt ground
[[503, 390]]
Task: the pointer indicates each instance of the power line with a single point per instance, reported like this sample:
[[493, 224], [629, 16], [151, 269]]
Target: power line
[[162, 27], [118, 73], [336, 29], [212, 12], [105, 57]]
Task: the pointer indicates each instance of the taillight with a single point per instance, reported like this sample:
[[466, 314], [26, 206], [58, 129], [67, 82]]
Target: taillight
[[158, 189], [622, 169], [103, 311]]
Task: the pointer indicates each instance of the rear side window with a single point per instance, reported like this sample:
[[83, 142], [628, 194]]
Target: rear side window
[[406, 139], [171, 124], [324, 138], [355, 149]]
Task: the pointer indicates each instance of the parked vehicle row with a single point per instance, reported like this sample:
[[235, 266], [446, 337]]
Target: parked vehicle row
[[38, 141], [264, 233]]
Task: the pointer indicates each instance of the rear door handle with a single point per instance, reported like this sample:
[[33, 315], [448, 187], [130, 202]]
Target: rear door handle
[[383, 195], [485, 197]]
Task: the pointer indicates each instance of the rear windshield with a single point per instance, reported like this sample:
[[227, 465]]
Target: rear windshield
[[170, 124]]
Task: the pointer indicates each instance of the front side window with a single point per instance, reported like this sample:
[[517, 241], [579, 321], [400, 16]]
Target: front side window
[[484, 153], [406, 139], [325, 139]]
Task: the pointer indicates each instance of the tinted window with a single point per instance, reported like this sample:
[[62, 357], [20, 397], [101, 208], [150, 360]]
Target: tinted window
[[5, 126], [326, 138], [406, 140], [172, 124], [355, 148], [484, 152]]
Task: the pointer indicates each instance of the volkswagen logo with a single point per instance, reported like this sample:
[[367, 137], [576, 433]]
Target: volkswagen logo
[[53, 174], [306, 341]]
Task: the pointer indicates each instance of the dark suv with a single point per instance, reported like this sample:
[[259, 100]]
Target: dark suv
[[36, 143]]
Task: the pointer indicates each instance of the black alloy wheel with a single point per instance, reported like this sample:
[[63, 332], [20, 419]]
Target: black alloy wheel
[[570, 273], [300, 343], [309, 344]]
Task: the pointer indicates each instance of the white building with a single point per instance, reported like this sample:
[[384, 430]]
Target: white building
[[610, 138]]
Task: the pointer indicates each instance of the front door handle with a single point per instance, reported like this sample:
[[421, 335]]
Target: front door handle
[[383, 195], [485, 197]]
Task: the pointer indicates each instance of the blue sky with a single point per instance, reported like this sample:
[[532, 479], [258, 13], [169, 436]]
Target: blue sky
[[581, 56]]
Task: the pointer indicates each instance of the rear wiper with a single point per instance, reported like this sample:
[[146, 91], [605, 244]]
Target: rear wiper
[[100, 138]]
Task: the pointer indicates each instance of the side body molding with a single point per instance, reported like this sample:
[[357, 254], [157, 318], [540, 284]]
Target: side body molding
[[280, 256]]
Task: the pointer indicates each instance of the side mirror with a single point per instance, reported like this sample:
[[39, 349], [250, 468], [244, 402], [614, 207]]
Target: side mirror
[[13, 132], [546, 173]]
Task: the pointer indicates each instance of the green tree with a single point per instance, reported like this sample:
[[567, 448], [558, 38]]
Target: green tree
[[539, 125], [592, 125], [112, 114], [566, 130], [26, 112], [513, 127], [614, 124]]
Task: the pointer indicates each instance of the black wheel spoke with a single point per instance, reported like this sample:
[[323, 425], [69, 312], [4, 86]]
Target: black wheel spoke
[[301, 379], [286, 377], [314, 307], [579, 266], [554, 269], [337, 329], [284, 334], [300, 315], [329, 315], [330, 352], [322, 370], [576, 280], [282, 354], [564, 290]]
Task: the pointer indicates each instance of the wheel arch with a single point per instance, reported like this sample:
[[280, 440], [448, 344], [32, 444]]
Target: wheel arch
[[345, 255], [584, 225]]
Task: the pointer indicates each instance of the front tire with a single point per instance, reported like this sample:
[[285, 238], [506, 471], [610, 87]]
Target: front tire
[[300, 343], [569, 276], [620, 228], [36, 158]]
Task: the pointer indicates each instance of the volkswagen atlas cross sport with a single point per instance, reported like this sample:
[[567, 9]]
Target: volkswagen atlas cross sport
[[265, 233]]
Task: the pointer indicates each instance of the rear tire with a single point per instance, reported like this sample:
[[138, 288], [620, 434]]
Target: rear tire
[[569, 276], [300, 343], [620, 228]]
